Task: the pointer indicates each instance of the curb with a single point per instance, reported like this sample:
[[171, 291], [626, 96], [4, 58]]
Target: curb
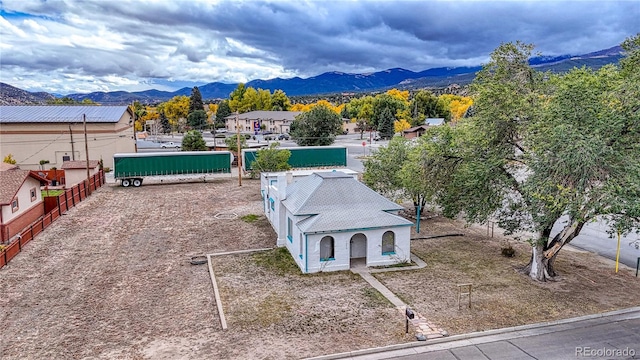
[[347, 355]]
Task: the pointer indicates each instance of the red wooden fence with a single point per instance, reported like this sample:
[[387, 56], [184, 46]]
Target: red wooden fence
[[53, 208]]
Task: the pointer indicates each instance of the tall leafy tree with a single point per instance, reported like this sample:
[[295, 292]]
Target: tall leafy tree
[[176, 110], [426, 105], [236, 97], [317, 126], [271, 159], [195, 100], [280, 101], [193, 141], [383, 102], [542, 147]]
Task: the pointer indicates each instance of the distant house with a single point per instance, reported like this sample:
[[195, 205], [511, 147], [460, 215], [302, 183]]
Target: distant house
[[328, 219], [278, 122], [20, 200], [56, 133], [415, 131], [76, 171]]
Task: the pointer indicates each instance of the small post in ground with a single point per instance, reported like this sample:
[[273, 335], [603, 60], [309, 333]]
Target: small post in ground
[[461, 288]]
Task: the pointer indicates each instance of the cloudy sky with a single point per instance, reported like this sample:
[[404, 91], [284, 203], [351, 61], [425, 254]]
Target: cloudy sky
[[67, 46]]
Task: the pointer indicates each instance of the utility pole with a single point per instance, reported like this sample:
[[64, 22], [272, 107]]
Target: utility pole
[[86, 151], [239, 153], [135, 140], [73, 152]]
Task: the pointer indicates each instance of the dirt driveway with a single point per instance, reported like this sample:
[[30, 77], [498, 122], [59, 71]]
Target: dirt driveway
[[112, 280]]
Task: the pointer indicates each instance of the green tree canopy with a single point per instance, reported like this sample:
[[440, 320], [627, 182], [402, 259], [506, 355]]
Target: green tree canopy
[[540, 147], [426, 105], [317, 126], [271, 159], [193, 141], [232, 142], [280, 101]]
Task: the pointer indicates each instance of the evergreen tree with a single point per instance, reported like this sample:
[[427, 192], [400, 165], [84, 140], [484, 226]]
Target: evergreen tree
[[223, 111], [385, 124], [195, 101], [193, 141], [164, 122], [197, 119]]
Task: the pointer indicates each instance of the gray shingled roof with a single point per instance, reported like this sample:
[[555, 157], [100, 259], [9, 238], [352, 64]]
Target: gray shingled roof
[[266, 115], [337, 201], [60, 114]]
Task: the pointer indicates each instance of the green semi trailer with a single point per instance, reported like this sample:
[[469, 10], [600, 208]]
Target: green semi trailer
[[304, 157], [131, 168]]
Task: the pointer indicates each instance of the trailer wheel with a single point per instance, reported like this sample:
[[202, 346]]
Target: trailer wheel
[[126, 182], [137, 182]]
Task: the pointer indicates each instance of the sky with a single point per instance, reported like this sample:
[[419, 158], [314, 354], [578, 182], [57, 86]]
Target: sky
[[81, 46]]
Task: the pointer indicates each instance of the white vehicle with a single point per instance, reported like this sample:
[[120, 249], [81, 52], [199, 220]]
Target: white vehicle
[[170, 145], [221, 131]]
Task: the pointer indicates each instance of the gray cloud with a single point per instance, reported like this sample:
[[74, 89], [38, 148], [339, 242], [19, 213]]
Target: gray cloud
[[198, 41]]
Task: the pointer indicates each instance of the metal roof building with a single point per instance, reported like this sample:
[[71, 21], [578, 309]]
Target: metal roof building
[[58, 113], [55, 133]]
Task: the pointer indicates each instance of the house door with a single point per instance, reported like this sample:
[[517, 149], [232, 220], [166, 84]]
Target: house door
[[358, 246]]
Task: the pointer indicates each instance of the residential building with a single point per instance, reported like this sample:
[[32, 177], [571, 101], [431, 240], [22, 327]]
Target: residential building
[[56, 133], [278, 122], [20, 200], [328, 219]]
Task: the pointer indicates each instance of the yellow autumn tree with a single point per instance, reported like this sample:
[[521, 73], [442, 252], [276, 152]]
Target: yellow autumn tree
[[399, 94], [457, 104], [401, 125]]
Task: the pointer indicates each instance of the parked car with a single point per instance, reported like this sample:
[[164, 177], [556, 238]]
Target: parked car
[[170, 145], [283, 137], [220, 131], [267, 132]]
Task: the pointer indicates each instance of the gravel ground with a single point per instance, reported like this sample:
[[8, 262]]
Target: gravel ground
[[111, 279]]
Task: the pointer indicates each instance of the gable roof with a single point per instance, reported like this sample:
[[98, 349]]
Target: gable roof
[[336, 201], [11, 181], [61, 114], [80, 164], [266, 115], [415, 128]]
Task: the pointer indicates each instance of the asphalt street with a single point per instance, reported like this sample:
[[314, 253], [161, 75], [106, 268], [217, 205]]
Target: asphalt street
[[614, 335]]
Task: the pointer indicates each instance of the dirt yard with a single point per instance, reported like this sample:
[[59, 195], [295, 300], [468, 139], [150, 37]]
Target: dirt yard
[[112, 280]]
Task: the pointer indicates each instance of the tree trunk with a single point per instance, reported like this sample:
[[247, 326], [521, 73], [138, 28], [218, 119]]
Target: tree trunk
[[543, 256]]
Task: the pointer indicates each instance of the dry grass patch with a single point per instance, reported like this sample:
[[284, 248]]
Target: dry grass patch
[[266, 293], [501, 295]]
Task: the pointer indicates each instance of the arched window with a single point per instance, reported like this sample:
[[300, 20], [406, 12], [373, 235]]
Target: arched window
[[388, 243], [326, 248]]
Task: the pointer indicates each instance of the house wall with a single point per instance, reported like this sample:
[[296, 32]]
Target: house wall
[[31, 142], [76, 176], [28, 210], [342, 242]]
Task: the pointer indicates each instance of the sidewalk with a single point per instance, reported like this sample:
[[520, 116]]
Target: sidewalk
[[612, 335]]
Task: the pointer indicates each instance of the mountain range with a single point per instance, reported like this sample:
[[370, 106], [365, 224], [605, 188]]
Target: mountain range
[[326, 83]]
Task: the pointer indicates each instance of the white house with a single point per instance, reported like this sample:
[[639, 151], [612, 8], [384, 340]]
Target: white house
[[327, 219]]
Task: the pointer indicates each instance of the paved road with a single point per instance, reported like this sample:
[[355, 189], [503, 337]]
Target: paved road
[[594, 237], [613, 335]]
